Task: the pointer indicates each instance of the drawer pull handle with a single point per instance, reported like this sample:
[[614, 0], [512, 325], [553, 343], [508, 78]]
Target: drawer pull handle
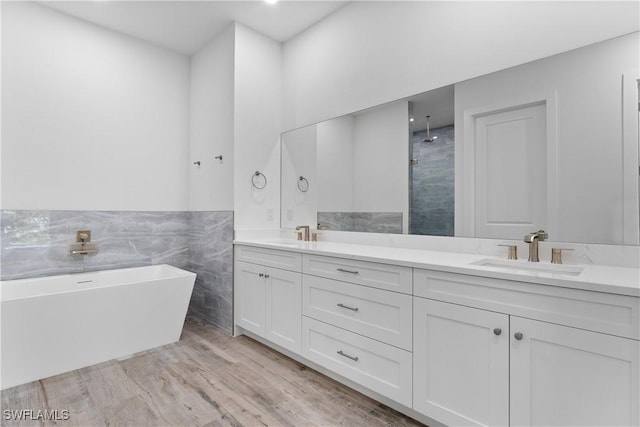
[[260, 274], [518, 336], [347, 307], [266, 276], [342, 270], [497, 331], [342, 353]]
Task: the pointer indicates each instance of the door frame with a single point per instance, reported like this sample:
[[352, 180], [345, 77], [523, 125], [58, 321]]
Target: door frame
[[630, 158]]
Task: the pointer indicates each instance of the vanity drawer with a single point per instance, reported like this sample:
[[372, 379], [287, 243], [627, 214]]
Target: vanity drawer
[[595, 311], [382, 276], [382, 315], [269, 257], [380, 367]]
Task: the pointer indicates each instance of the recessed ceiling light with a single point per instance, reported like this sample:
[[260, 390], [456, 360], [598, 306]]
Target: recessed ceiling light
[[271, 1]]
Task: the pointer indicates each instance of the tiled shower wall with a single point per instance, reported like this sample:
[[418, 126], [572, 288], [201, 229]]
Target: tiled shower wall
[[433, 183], [36, 243]]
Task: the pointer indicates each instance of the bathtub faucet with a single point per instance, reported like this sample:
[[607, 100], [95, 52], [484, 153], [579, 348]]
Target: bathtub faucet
[[83, 245]]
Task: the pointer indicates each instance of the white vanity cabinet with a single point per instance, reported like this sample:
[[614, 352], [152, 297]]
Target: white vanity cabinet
[[494, 366], [268, 298], [357, 322], [459, 349]]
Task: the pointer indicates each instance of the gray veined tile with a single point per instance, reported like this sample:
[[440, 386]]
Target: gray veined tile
[[211, 237], [432, 184], [373, 222]]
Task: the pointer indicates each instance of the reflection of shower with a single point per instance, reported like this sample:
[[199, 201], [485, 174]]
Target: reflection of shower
[[429, 138]]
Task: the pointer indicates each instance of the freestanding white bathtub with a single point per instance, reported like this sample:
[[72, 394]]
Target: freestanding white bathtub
[[56, 324]]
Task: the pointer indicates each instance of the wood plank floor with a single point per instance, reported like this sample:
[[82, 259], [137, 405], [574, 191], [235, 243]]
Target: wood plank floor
[[205, 379]]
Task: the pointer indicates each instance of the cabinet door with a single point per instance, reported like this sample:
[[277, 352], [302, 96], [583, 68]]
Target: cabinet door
[[461, 364], [250, 296], [284, 308], [564, 376]]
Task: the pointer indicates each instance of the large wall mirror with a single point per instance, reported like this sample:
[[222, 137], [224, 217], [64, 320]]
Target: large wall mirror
[[550, 144]]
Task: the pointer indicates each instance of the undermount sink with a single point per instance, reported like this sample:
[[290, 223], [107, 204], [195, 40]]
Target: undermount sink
[[529, 267], [290, 242]]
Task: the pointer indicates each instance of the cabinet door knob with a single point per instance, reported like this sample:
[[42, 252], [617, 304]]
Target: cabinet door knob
[[518, 336], [260, 275], [266, 276], [497, 331]]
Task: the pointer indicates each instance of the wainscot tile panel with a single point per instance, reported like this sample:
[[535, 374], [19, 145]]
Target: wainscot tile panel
[[378, 222], [211, 248], [33, 244], [36, 243], [336, 221], [372, 222]]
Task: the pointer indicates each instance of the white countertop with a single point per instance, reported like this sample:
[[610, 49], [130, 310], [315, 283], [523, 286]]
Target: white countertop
[[599, 278]]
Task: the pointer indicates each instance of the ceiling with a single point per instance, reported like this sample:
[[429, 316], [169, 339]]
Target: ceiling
[[185, 26], [438, 104]]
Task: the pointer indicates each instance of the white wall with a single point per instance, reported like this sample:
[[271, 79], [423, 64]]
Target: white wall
[[368, 53], [257, 127], [356, 163], [587, 84], [381, 161], [91, 119], [212, 121], [1, 38], [299, 158], [335, 164]]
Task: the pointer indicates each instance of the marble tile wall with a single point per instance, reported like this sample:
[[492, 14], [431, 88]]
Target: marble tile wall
[[338, 221], [372, 222], [433, 183], [36, 243], [211, 258]]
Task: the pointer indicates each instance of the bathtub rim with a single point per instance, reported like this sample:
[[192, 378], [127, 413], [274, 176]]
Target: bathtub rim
[[72, 279]]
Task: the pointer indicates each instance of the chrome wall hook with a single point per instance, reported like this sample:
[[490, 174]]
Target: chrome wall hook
[[197, 164], [219, 157]]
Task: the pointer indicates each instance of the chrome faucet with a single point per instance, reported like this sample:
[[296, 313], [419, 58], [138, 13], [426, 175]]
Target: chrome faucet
[[533, 239], [305, 236]]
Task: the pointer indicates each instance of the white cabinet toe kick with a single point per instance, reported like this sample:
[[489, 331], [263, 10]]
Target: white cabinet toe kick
[[448, 348]]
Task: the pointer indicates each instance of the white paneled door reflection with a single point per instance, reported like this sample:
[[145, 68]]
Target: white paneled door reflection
[[511, 172]]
